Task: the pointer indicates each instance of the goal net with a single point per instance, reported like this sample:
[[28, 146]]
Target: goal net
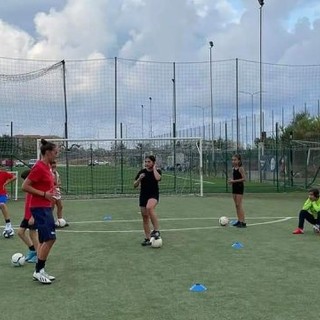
[[108, 167]]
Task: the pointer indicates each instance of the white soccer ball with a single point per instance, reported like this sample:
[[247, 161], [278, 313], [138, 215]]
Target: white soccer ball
[[156, 243], [61, 223], [223, 221], [8, 233], [18, 259]]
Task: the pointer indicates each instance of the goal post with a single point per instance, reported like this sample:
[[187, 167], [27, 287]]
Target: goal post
[[108, 167]]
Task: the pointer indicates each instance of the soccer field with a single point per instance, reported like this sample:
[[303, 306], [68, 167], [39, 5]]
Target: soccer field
[[103, 272]]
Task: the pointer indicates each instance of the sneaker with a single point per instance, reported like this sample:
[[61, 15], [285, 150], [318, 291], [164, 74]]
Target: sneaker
[[146, 242], [316, 228], [298, 231], [40, 276], [51, 278], [30, 255], [241, 225], [34, 259], [236, 224], [155, 234]]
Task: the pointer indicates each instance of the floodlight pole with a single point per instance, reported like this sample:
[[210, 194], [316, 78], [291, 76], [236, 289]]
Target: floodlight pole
[[150, 134], [211, 101], [261, 2], [142, 132]]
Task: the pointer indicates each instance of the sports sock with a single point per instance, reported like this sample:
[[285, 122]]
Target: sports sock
[[40, 265], [32, 248]]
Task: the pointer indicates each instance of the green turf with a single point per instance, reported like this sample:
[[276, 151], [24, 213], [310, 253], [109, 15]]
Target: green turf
[[103, 272]]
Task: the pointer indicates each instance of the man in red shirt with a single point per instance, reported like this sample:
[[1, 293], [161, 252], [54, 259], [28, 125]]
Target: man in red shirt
[[5, 178]]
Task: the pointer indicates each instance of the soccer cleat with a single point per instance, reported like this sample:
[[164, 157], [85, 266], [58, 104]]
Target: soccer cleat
[[316, 228], [40, 276], [34, 259], [30, 255], [241, 225], [236, 224], [146, 242], [155, 234], [298, 231], [51, 278]]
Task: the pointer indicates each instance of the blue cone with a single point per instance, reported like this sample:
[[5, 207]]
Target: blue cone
[[198, 288], [237, 245], [107, 218]]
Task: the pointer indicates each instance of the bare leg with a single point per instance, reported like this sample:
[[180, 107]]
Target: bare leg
[[145, 221], [34, 238], [59, 208], [239, 208], [44, 249], [151, 205], [24, 237], [5, 211]]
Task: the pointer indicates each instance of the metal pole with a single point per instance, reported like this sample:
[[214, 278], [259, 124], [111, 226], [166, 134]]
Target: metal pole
[[150, 134], [142, 132], [211, 102], [261, 2]]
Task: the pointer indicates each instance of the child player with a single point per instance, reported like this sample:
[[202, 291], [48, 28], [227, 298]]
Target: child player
[[31, 239]]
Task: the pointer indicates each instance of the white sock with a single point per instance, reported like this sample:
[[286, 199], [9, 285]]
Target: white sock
[[8, 225]]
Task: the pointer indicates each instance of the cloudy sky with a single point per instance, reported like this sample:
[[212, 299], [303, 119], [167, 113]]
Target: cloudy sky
[[167, 31], [160, 30]]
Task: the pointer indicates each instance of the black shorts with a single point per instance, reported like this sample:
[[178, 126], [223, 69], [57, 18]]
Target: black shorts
[[237, 188], [25, 225], [143, 200]]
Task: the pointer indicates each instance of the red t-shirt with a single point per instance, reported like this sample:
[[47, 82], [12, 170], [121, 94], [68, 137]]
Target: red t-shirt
[[42, 179], [27, 211], [4, 177]]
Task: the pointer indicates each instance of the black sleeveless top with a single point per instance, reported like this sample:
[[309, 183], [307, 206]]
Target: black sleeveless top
[[237, 187]]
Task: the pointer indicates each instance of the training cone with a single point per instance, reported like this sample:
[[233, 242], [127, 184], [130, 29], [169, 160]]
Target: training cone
[[237, 245], [198, 288], [107, 218]]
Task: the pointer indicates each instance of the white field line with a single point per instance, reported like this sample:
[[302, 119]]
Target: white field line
[[283, 219]]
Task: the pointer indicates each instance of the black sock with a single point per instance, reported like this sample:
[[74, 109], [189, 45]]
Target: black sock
[[7, 220], [40, 265], [32, 248]]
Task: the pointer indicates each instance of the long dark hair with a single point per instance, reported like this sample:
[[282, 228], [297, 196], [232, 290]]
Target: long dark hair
[[46, 146], [238, 156], [152, 158]]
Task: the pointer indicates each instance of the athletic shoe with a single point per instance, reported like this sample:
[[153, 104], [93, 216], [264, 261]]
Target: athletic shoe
[[41, 277], [298, 231], [30, 255], [155, 234], [316, 228], [237, 223], [241, 225], [34, 259], [51, 278], [146, 242]]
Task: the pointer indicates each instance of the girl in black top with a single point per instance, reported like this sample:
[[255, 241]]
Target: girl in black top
[[148, 179], [237, 182]]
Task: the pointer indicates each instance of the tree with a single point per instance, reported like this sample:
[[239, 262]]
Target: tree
[[302, 127]]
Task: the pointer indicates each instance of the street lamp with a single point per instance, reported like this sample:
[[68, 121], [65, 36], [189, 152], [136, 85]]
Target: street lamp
[[211, 100], [252, 127], [150, 134], [261, 3]]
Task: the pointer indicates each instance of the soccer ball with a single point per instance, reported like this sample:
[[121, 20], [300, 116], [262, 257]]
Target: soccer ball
[[8, 233], [223, 221], [18, 259], [61, 223], [156, 243]]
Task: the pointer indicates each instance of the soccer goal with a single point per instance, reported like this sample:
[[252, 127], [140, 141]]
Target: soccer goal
[[108, 167]]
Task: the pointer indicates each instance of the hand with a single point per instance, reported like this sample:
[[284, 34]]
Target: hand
[[142, 175], [230, 181], [31, 221]]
